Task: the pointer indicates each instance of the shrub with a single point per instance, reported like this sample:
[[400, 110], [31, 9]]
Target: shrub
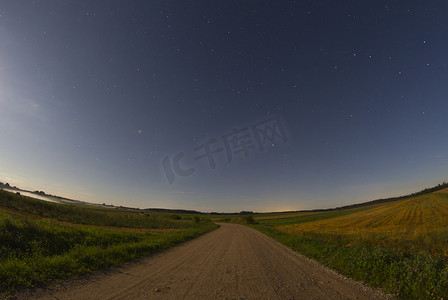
[[250, 219]]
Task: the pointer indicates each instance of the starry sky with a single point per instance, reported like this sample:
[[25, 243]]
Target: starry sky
[[224, 105]]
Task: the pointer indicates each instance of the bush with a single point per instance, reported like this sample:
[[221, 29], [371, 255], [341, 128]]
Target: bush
[[250, 219]]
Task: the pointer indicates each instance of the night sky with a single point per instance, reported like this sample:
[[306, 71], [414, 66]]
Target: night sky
[[224, 105]]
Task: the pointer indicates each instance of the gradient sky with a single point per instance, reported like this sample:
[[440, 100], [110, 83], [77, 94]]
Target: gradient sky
[[94, 95]]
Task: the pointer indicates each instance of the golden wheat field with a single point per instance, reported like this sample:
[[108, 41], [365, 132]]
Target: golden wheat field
[[444, 191], [420, 221]]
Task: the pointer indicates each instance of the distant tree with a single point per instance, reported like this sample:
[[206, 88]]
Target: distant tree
[[244, 212]]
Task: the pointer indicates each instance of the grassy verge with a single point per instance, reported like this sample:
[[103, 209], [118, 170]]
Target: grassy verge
[[408, 276], [36, 251]]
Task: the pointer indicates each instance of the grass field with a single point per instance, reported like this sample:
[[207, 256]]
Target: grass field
[[401, 246], [92, 215], [41, 242], [413, 225]]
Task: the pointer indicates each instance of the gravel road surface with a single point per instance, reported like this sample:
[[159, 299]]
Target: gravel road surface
[[232, 262]]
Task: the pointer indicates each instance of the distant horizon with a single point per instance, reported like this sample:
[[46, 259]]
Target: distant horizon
[[225, 212]]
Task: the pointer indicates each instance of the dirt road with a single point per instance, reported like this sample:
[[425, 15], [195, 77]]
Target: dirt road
[[232, 262]]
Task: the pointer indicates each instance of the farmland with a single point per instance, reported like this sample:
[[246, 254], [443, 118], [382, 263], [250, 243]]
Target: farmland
[[399, 244], [43, 242], [417, 224]]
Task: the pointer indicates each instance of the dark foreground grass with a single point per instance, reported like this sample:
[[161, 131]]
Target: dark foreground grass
[[406, 275], [35, 252]]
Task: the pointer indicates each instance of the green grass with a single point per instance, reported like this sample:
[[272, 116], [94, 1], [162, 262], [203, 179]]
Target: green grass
[[400, 246], [91, 215], [36, 251]]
